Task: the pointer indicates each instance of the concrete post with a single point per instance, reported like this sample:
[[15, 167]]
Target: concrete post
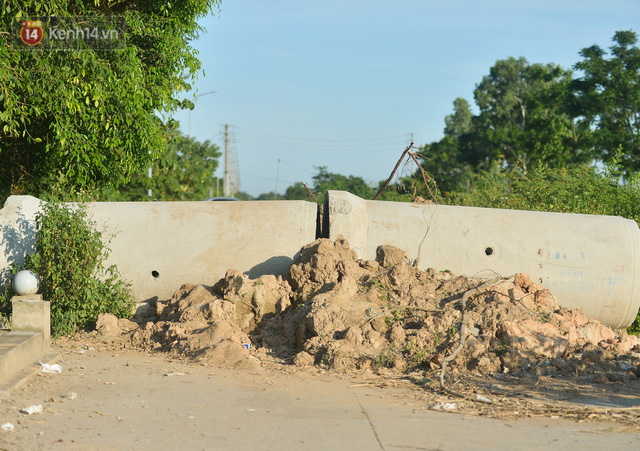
[[32, 313]]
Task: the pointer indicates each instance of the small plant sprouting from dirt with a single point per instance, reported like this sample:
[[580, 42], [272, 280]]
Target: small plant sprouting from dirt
[[396, 317], [385, 359], [500, 350], [453, 330], [417, 355]]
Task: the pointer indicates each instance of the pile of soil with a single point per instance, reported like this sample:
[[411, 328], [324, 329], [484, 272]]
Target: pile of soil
[[340, 313]]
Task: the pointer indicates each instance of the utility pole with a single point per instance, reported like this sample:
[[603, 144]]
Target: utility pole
[[225, 185]]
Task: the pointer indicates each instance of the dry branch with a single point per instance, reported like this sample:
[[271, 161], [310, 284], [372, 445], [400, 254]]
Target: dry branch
[[425, 178], [312, 195], [384, 187], [463, 335]]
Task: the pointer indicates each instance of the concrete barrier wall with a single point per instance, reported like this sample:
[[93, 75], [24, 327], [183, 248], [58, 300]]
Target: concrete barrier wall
[[158, 246], [588, 262]]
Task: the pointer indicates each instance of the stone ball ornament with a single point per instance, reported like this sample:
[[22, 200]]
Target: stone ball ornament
[[25, 282]]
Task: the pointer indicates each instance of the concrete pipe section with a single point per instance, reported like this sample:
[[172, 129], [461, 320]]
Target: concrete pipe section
[[588, 262], [158, 246], [161, 245]]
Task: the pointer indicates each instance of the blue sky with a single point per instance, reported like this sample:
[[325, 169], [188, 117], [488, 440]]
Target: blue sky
[[344, 84]]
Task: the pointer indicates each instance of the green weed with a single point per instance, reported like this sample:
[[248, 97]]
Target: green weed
[[68, 260]]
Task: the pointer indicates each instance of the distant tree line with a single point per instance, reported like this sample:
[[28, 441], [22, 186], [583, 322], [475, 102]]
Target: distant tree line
[[531, 118], [545, 116]]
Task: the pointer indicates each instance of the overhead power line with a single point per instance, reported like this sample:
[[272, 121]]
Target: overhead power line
[[275, 146], [344, 142]]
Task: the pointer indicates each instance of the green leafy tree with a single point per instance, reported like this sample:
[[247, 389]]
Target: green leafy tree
[[524, 118], [607, 98], [186, 172], [324, 181], [271, 196], [88, 118], [297, 191], [443, 159], [241, 195], [458, 123], [576, 189]]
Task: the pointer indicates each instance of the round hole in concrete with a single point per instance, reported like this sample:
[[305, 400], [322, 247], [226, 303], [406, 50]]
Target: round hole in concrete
[[488, 251], [155, 274]]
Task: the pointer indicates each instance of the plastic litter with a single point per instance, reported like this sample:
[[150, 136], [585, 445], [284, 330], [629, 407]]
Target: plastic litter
[[626, 366], [7, 427], [446, 406], [32, 410], [53, 369], [72, 395], [246, 346], [173, 373], [483, 399]]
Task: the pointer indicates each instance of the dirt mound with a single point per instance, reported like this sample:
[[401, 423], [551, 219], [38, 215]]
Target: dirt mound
[[345, 314], [389, 315], [199, 323]]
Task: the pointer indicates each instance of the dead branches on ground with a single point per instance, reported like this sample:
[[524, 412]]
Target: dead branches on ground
[[476, 291]]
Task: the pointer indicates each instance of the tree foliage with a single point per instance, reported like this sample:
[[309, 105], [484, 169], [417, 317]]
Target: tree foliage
[[607, 98], [443, 160], [88, 118], [185, 172], [324, 181], [297, 191], [523, 117], [271, 196], [541, 114], [576, 189]]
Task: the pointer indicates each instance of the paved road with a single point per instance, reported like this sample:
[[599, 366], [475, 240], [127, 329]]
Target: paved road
[[136, 401]]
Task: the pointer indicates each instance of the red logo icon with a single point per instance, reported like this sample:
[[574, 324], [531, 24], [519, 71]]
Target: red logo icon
[[31, 32]]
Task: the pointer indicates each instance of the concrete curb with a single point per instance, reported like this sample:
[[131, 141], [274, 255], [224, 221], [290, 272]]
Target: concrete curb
[[22, 377]]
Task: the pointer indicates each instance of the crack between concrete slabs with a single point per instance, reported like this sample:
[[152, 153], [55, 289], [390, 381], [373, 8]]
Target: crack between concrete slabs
[[373, 428]]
